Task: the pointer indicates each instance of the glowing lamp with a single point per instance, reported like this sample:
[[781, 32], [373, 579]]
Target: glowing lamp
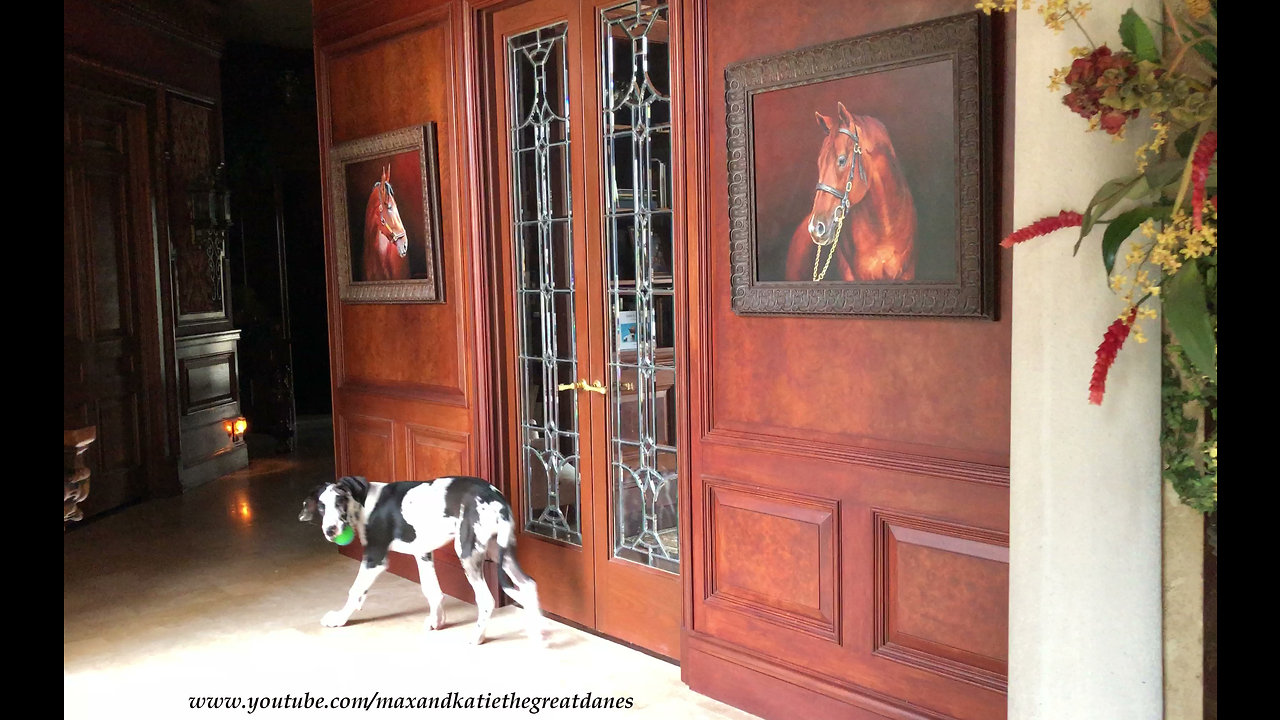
[[235, 428]]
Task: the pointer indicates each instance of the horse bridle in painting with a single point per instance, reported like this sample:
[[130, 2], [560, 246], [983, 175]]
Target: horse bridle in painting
[[401, 240], [843, 208]]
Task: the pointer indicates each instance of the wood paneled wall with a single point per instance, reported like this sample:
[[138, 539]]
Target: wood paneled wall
[[163, 59], [849, 500], [406, 401], [847, 514]]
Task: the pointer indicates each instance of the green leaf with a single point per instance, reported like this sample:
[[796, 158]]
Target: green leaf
[[1137, 37], [1187, 312], [1185, 140], [1111, 192], [1165, 172], [1122, 227]]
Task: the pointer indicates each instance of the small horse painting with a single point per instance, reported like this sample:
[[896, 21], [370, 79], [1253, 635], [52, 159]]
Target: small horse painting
[[862, 196], [386, 244]]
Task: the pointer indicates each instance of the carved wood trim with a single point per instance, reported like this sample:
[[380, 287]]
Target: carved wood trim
[[75, 474], [950, 537], [823, 621]]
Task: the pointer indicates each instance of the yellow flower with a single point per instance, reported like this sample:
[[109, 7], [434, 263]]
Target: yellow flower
[[1197, 8], [1058, 77], [1082, 9], [1137, 335], [987, 6]]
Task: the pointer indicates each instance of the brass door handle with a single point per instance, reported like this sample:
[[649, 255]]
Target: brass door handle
[[596, 387], [571, 385]]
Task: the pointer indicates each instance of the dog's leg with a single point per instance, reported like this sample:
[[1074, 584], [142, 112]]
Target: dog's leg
[[521, 588], [431, 589], [355, 597], [473, 568]]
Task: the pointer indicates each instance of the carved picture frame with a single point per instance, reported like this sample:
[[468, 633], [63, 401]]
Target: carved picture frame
[[928, 86], [408, 162]]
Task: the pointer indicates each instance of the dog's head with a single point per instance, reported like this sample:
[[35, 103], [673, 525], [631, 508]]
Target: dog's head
[[335, 503]]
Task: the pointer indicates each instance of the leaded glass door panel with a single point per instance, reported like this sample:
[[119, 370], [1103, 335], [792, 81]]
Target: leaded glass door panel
[[585, 141]]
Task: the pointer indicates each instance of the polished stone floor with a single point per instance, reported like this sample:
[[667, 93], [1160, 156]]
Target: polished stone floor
[[218, 594]]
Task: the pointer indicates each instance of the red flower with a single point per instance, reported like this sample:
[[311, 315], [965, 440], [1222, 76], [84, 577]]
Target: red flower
[[1112, 340], [1200, 160], [1044, 226], [1096, 76]]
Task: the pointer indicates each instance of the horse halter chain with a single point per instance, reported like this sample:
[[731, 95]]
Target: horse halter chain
[[841, 209]]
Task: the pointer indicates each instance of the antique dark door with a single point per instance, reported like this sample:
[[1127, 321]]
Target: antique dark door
[[109, 295], [583, 115]]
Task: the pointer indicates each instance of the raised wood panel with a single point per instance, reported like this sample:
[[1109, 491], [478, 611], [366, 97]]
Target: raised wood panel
[[773, 555], [366, 447], [207, 381], [436, 453], [942, 598]]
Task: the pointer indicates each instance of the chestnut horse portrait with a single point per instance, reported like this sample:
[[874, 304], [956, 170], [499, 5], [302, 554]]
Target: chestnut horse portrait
[[863, 222], [386, 244]]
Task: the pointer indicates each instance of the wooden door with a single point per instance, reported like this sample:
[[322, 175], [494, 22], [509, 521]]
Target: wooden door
[[587, 242], [106, 235]]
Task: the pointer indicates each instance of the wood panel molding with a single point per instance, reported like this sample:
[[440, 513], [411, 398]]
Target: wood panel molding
[[745, 528], [796, 683], [439, 394], [909, 462], [906, 642]]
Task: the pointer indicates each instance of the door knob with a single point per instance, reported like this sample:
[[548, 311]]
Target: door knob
[[595, 387], [571, 385]]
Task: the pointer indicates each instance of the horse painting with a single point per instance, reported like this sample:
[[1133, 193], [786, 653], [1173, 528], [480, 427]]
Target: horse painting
[[386, 245], [862, 190]]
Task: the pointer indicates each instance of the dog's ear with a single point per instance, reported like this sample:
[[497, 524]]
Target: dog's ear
[[354, 486], [311, 504], [308, 509]]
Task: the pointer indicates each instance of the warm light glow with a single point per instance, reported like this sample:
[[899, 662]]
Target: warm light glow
[[235, 427]]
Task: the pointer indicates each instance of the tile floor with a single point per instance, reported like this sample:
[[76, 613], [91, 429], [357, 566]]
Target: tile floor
[[218, 593]]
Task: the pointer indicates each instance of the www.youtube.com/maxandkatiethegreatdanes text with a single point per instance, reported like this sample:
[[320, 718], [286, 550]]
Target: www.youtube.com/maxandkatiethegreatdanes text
[[533, 704]]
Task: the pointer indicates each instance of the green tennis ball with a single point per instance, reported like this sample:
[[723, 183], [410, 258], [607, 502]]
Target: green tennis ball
[[346, 536]]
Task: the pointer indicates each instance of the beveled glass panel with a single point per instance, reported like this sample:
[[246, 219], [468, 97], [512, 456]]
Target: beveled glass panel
[[543, 237], [636, 144]]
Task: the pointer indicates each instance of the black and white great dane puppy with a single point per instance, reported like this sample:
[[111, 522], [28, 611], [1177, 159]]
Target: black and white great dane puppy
[[418, 518]]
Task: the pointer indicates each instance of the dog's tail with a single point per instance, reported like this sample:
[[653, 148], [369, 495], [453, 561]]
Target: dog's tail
[[517, 584]]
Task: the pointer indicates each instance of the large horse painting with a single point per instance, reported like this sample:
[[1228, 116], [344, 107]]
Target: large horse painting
[[387, 214], [861, 193], [862, 189]]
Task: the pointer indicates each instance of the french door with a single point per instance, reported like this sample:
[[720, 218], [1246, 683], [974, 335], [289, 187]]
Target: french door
[[584, 131]]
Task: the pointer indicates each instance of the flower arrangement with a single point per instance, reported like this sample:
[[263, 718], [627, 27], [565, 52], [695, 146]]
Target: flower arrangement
[[1167, 211]]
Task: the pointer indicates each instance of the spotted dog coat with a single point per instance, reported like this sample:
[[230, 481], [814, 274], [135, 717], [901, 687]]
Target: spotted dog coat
[[418, 518]]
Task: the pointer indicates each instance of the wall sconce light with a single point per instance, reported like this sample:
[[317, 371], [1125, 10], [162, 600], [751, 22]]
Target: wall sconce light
[[235, 428], [210, 204]]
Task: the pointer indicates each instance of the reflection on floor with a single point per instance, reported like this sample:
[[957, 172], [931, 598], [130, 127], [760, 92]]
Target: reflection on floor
[[218, 594]]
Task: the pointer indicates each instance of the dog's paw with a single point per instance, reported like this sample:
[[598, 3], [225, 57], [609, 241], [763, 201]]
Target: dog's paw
[[478, 638], [334, 618]]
